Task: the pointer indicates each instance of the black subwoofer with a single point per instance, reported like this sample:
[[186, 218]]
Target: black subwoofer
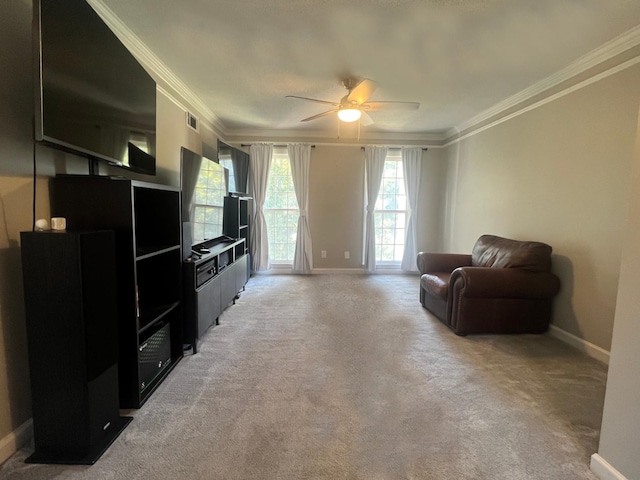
[[154, 354]]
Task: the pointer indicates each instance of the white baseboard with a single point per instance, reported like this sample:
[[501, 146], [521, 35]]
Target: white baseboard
[[589, 348], [320, 271], [604, 470], [16, 440], [286, 270], [379, 271]]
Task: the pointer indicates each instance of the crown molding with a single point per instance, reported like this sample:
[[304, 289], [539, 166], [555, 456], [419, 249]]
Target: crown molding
[[432, 140], [607, 51], [456, 136], [157, 68]]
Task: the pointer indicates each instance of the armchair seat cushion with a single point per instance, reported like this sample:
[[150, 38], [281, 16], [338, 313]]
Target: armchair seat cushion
[[437, 284]]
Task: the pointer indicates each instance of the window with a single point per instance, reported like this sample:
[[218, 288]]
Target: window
[[226, 162], [208, 201], [281, 209], [390, 216]]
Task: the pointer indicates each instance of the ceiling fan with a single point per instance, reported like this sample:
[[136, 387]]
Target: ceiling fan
[[354, 106]]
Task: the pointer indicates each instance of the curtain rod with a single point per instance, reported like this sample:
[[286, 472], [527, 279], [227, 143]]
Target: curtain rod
[[399, 148], [275, 146], [313, 146]]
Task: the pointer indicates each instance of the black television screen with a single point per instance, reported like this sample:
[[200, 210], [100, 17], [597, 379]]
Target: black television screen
[[237, 162], [92, 95], [204, 184]]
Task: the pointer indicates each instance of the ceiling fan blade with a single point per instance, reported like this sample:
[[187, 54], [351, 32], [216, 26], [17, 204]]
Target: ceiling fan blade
[[319, 115], [380, 106], [365, 119], [362, 91], [314, 100]]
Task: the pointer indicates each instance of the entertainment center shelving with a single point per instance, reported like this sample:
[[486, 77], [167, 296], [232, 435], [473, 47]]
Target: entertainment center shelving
[[237, 212], [146, 220]]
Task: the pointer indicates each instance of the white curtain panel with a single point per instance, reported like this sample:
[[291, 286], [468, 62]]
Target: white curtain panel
[[374, 158], [300, 159], [411, 164], [260, 163], [190, 165]]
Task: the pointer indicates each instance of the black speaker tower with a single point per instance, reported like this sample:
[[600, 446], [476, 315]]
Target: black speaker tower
[[71, 311]]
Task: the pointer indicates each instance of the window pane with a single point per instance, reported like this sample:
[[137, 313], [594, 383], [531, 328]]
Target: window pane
[[390, 212], [227, 163], [207, 218], [281, 210]]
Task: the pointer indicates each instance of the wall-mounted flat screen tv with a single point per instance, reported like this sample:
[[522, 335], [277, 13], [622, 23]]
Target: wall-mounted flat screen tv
[[92, 97]]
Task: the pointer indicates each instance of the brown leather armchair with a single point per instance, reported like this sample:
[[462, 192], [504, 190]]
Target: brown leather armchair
[[504, 286]]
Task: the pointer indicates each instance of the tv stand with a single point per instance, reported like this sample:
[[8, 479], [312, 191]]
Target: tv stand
[[212, 282]]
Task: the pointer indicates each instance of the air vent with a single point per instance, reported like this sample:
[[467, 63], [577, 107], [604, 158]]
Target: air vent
[[192, 121]]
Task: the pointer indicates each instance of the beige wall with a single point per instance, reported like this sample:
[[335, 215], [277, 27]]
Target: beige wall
[[336, 204], [558, 174], [336, 201], [172, 134], [430, 219], [16, 106], [620, 434]]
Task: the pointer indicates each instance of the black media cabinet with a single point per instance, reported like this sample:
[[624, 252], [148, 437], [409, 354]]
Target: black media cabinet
[[145, 218], [211, 283]]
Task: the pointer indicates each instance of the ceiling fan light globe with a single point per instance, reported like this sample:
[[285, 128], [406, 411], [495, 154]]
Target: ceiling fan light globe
[[349, 114]]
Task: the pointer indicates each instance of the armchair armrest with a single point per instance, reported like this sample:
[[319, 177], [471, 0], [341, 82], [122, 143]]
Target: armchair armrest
[[441, 262], [503, 283]]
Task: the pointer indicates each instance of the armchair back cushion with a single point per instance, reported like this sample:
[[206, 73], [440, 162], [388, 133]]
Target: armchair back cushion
[[497, 252]]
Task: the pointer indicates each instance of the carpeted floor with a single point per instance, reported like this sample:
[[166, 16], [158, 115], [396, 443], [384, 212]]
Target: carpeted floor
[[348, 377]]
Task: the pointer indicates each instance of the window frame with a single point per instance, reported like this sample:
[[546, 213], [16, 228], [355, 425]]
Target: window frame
[[200, 206], [392, 156], [281, 154]]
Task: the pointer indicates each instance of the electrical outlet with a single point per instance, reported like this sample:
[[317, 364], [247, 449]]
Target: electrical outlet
[[347, 255], [323, 254]]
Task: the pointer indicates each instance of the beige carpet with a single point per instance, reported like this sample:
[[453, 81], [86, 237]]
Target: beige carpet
[[348, 377]]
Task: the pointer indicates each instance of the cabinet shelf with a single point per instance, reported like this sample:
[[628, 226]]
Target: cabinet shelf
[[151, 251], [155, 315]]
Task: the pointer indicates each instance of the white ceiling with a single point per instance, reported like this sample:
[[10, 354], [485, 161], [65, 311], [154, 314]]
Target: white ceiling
[[457, 58]]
